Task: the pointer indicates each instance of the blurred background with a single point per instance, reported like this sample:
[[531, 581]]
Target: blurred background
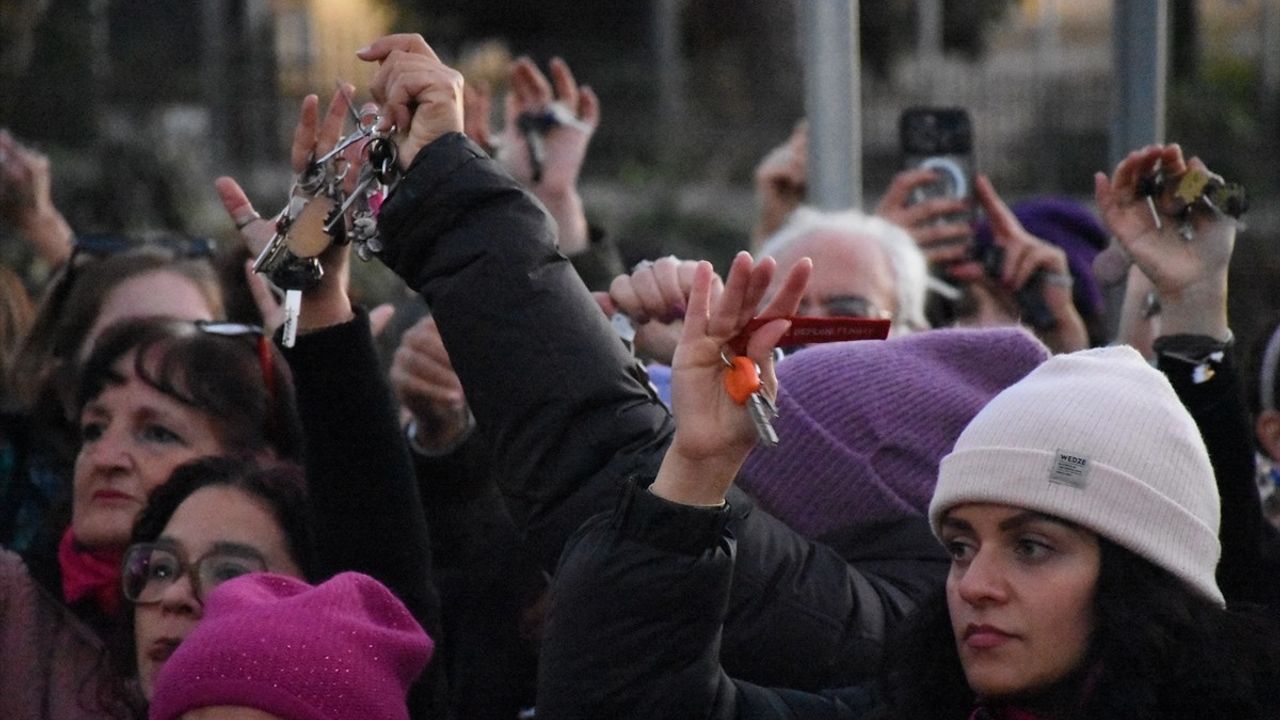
[[141, 103]]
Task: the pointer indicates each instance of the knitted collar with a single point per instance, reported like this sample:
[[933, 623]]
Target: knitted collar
[[91, 574]]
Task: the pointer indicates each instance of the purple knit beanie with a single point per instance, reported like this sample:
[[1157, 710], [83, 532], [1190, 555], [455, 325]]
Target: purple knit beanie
[[1072, 227], [863, 425], [346, 648]]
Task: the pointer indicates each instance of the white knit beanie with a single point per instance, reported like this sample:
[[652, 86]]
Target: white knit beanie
[[1098, 438]]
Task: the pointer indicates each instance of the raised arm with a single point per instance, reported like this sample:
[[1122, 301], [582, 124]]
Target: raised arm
[[555, 393]]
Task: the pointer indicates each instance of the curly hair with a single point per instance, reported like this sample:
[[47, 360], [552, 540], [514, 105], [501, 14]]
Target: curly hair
[[1158, 650]]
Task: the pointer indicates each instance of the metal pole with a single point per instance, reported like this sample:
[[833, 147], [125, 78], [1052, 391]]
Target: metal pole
[[671, 73], [1140, 55], [833, 91]]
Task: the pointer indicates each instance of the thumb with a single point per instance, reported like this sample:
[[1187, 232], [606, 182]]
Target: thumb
[[380, 317]]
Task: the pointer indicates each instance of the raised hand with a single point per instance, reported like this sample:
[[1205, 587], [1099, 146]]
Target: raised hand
[[1173, 263], [26, 201], [1025, 255], [781, 181], [328, 303], [932, 222], [714, 433], [427, 386], [565, 145], [421, 96], [655, 296]]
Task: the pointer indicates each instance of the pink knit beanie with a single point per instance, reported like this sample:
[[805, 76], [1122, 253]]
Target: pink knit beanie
[[346, 648], [862, 425]]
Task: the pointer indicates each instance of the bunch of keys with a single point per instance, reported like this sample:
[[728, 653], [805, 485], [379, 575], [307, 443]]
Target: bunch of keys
[[315, 217], [742, 375], [534, 125], [742, 383], [1195, 188]]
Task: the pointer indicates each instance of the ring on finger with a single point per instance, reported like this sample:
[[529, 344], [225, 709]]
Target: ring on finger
[[248, 220]]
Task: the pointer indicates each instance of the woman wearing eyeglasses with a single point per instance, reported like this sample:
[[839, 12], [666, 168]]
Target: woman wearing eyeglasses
[[215, 519], [155, 394]]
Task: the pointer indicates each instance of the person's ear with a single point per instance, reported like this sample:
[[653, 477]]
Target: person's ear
[[1267, 429]]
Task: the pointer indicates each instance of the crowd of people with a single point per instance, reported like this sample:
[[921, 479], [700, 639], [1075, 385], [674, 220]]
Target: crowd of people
[[555, 504]]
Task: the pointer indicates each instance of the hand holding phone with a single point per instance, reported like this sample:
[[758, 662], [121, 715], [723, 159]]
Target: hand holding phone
[[931, 197]]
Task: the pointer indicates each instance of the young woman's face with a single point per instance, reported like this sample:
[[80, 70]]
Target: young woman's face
[[1020, 595], [132, 437], [215, 522]]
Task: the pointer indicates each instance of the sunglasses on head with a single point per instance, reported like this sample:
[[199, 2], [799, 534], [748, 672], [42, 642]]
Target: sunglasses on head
[[266, 359], [100, 245]]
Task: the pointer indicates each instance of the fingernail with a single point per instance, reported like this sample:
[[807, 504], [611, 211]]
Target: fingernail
[[364, 49]]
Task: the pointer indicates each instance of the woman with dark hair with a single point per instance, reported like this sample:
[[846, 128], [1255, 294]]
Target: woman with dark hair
[[106, 279], [156, 393], [1079, 508], [213, 520], [1080, 513]]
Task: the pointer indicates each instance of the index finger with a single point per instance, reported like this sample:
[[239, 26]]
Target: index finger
[[304, 135], [999, 215], [565, 85], [379, 49], [787, 300], [334, 119]]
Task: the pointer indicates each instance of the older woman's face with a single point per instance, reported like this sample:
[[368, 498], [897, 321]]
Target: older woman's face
[[132, 438], [1020, 595], [213, 522]]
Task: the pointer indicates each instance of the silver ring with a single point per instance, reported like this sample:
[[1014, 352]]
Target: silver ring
[[642, 265], [247, 221]]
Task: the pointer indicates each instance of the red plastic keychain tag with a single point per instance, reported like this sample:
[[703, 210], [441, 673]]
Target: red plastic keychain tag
[[811, 330]]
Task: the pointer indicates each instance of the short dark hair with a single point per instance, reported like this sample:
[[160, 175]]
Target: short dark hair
[[280, 486], [250, 397], [1159, 650]]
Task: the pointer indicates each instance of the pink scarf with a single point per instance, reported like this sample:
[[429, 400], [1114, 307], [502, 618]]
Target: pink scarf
[[93, 574]]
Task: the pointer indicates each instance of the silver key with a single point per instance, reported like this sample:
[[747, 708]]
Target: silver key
[[763, 411], [292, 310]]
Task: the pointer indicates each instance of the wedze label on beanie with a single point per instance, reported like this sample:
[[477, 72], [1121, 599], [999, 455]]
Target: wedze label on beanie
[[1069, 468]]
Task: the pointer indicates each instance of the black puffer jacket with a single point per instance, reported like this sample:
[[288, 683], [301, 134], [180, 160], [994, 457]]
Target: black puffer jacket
[[569, 417]]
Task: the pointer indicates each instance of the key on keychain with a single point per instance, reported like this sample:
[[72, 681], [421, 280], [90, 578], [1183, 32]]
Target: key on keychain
[[293, 278], [742, 382]]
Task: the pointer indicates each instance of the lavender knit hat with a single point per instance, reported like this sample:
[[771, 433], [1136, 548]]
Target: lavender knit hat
[[863, 425], [346, 648]]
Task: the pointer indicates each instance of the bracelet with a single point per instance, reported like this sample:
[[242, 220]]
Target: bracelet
[[411, 436]]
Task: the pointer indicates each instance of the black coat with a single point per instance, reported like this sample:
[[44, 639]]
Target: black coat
[[1250, 567], [569, 418]]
